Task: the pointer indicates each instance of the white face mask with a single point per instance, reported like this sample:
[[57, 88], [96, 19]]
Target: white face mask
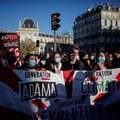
[[57, 60], [102, 59], [92, 57]]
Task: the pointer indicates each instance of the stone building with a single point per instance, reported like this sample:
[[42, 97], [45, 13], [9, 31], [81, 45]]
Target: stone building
[[98, 28], [28, 29]]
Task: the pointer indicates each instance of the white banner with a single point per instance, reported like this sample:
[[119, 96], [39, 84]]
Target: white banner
[[68, 95]]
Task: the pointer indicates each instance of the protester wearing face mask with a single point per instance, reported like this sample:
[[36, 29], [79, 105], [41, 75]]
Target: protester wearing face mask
[[53, 63], [100, 66], [29, 61], [32, 62], [58, 64], [101, 62], [101, 58]]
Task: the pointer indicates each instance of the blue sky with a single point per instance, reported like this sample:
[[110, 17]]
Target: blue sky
[[11, 11]]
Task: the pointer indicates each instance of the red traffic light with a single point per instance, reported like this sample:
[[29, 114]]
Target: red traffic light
[[55, 21], [55, 15]]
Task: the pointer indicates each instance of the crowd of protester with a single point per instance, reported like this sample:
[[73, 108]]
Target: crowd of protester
[[56, 62]]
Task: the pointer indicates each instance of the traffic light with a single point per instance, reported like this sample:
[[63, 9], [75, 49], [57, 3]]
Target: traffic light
[[55, 21]]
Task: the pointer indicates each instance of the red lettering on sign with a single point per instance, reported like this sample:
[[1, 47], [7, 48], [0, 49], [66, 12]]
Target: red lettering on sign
[[11, 37]]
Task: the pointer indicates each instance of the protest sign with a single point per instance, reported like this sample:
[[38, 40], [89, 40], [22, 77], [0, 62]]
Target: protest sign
[[70, 95]]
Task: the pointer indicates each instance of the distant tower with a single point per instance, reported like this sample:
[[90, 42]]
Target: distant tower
[[37, 26], [19, 24]]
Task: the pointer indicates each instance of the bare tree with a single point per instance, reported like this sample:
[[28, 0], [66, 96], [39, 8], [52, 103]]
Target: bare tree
[[28, 46]]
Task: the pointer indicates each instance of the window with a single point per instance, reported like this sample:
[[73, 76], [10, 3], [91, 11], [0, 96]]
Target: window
[[47, 35], [113, 23], [35, 34], [103, 22], [94, 25], [103, 14], [110, 14], [109, 7], [51, 36], [28, 25], [24, 26], [108, 22], [34, 26], [41, 40], [118, 23], [114, 15], [43, 35]]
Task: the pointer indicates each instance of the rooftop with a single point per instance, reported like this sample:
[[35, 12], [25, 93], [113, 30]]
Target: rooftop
[[28, 23]]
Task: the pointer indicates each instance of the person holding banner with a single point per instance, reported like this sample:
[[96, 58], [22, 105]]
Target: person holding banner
[[53, 63], [31, 62], [58, 64], [100, 66]]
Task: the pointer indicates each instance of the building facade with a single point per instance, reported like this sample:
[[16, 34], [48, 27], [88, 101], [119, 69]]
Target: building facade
[[28, 29], [98, 28]]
